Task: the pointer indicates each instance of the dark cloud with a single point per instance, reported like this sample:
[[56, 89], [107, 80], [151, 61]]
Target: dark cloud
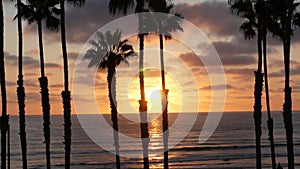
[[235, 46], [28, 62], [213, 16], [239, 71], [81, 23], [56, 86], [218, 87], [294, 71], [73, 55], [52, 66], [192, 60]]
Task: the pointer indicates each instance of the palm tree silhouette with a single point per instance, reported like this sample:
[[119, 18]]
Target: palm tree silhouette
[[21, 89], [66, 94], [37, 11], [246, 9], [267, 23], [165, 24], [258, 15], [122, 6], [285, 16], [4, 117], [107, 52]]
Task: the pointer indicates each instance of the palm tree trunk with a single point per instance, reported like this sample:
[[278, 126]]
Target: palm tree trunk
[[111, 81], [45, 97], [270, 119], [8, 147], [257, 103], [287, 106], [21, 94], [143, 103], [66, 94], [41, 46], [4, 117], [143, 106], [164, 101]]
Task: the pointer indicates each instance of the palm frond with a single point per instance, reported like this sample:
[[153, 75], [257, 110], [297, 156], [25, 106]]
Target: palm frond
[[248, 30], [35, 10], [120, 6], [77, 3], [110, 52]]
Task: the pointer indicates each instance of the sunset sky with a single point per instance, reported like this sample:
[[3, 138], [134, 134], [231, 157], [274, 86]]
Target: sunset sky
[[188, 89]]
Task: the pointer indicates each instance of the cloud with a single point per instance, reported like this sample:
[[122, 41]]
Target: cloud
[[9, 83], [215, 19], [294, 71], [81, 23], [28, 62], [32, 83], [240, 71], [56, 86], [31, 74], [73, 55], [209, 16], [192, 60], [218, 87], [237, 51]]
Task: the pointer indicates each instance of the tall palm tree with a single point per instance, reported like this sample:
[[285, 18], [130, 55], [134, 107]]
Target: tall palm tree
[[284, 13], [4, 116], [270, 120], [107, 52], [165, 24], [122, 6], [21, 89], [66, 94], [37, 11], [253, 21], [262, 15], [267, 23]]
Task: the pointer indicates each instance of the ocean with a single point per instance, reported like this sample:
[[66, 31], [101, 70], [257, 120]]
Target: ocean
[[232, 145]]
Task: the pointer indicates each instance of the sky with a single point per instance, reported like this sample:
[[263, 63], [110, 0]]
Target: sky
[[188, 79]]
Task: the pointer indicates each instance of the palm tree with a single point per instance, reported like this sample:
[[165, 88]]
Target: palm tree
[[253, 20], [284, 14], [4, 116], [123, 5], [268, 24], [165, 24], [270, 121], [21, 89], [66, 94], [37, 11], [107, 52]]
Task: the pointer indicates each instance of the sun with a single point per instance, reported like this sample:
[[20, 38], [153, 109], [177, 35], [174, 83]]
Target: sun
[[154, 94]]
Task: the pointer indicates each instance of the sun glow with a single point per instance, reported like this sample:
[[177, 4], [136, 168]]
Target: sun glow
[[152, 93]]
